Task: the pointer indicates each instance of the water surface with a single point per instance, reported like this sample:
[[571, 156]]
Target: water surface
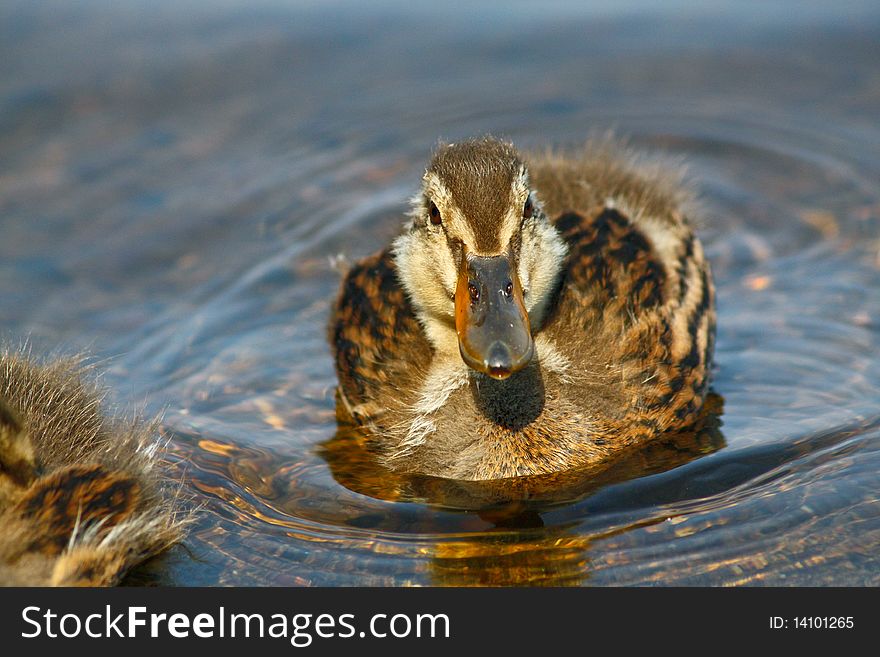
[[179, 181]]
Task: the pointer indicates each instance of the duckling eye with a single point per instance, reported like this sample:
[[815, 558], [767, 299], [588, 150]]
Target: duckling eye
[[435, 215], [528, 208]]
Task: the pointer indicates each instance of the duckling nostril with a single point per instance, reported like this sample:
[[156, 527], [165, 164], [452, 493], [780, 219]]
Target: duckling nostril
[[508, 289], [473, 292]]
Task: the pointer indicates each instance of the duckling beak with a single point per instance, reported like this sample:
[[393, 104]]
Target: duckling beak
[[494, 336]]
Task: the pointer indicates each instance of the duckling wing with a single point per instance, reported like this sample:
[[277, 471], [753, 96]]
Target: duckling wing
[[636, 311], [81, 499], [379, 346]]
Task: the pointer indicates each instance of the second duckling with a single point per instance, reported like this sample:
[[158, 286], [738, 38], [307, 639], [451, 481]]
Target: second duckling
[[81, 500]]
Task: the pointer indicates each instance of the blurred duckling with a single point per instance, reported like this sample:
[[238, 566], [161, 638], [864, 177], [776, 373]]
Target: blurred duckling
[[540, 312], [81, 502]]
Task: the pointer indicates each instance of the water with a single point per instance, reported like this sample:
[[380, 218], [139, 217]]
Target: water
[[177, 180]]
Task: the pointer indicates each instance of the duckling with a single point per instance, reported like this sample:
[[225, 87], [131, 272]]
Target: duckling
[[540, 312], [80, 500]]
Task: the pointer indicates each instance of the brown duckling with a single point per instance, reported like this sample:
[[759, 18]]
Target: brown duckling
[[80, 500], [538, 313]]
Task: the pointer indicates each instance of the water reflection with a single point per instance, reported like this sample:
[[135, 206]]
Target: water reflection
[[515, 547]]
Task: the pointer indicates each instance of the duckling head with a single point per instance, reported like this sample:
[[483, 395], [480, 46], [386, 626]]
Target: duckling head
[[480, 261]]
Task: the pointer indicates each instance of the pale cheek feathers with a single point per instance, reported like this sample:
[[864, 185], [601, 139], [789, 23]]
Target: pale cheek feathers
[[427, 272], [541, 257]]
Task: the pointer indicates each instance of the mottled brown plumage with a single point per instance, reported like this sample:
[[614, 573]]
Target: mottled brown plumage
[[612, 285], [80, 501]]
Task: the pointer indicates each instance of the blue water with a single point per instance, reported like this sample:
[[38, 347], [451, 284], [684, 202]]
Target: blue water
[[178, 180]]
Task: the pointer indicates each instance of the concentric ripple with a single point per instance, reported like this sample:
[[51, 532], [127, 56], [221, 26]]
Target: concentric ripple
[[783, 492]]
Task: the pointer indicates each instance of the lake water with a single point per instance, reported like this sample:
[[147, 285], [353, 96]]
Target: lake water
[[179, 179]]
